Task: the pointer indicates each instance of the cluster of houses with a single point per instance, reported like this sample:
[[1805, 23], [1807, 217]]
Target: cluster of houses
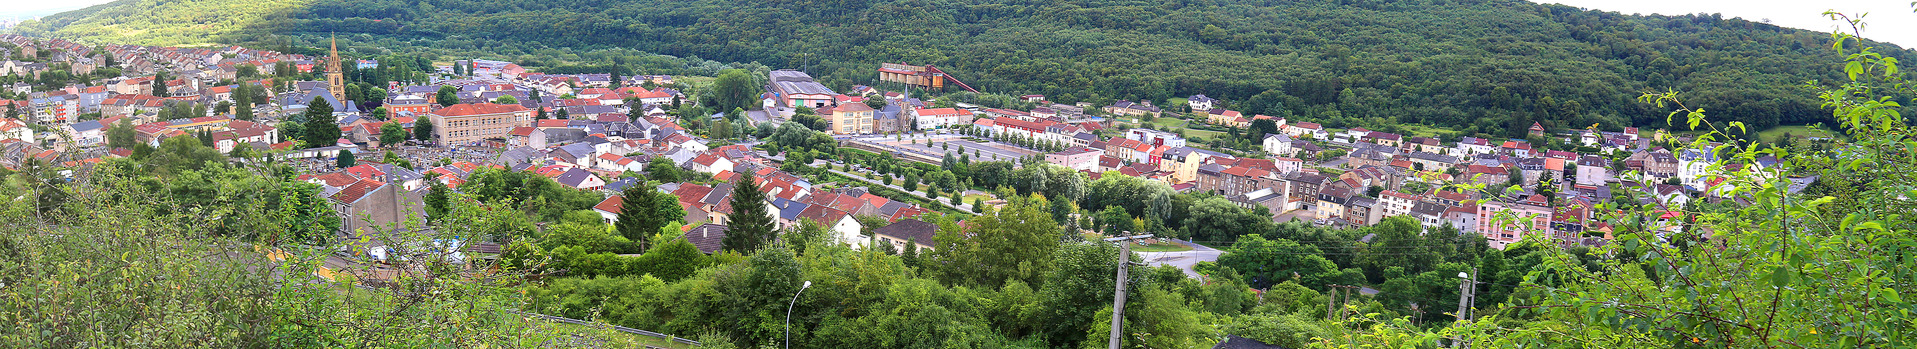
[[1380, 174], [1383, 174], [610, 129], [616, 127]]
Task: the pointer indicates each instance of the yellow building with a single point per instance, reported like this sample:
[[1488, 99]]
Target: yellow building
[[470, 122], [852, 118]]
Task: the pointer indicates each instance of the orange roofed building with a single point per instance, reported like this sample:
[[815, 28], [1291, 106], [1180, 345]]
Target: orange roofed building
[[470, 122]]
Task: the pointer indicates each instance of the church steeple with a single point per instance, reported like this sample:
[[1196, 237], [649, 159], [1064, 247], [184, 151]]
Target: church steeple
[[335, 78]]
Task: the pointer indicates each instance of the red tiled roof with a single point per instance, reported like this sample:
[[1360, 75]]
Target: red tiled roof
[[336, 179], [356, 191], [611, 204], [478, 109], [691, 193]]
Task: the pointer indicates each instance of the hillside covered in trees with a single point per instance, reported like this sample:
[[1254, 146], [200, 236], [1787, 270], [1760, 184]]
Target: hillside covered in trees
[[1490, 66]]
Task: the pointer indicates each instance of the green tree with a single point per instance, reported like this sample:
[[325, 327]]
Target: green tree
[[437, 198], [1217, 219], [243, 96], [1009, 244], [643, 212], [1266, 262], [761, 296], [345, 159], [507, 99], [447, 96], [178, 154], [121, 134], [663, 170], [391, 134], [672, 260], [749, 227], [734, 88], [1113, 220], [321, 128], [159, 84], [911, 182], [423, 129]]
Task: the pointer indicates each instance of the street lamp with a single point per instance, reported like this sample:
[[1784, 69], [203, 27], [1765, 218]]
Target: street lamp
[[788, 313]]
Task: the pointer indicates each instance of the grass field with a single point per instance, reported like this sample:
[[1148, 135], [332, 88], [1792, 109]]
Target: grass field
[[1191, 133], [1169, 122], [699, 82], [1774, 133]]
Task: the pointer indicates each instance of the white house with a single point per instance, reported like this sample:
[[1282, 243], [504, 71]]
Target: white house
[[711, 163], [1200, 102], [934, 118], [611, 162], [1693, 166], [15, 129], [1155, 137], [1473, 146], [1278, 144], [87, 133]]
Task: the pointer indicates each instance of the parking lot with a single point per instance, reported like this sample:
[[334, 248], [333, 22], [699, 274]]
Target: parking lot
[[935, 146]]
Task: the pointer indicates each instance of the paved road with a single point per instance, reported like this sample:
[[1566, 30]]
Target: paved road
[[1183, 260]]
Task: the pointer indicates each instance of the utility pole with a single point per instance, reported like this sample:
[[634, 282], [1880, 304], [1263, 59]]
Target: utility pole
[[1118, 300], [1465, 300], [1348, 289], [1330, 298]]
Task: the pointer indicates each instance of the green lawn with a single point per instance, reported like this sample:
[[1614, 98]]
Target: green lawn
[[1419, 130], [1169, 122], [1774, 133], [1192, 133]]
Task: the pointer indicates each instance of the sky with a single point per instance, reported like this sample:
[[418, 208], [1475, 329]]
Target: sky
[[1888, 20], [26, 9]]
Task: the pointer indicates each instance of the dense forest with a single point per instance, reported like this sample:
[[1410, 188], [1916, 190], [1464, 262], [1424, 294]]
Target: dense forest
[[1480, 66]]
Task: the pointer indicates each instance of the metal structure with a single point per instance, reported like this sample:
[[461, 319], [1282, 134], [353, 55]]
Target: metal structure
[[788, 313], [926, 76], [1118, 300]]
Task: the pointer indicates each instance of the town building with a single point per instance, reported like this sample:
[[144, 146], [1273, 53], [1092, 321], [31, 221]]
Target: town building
[[462, 123]]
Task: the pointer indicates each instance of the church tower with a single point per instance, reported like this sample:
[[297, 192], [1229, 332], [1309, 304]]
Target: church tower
[[335, 78]]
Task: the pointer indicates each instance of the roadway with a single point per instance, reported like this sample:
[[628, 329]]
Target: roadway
[[1185, 260]]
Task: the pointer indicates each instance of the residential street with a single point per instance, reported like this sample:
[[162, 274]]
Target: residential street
[[1184, 259]]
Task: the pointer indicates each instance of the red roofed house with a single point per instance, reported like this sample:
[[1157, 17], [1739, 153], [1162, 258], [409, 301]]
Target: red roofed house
[[1128, 150], [709, 162], [365, 204], [1223, 117], [655, 97], [243, 132]]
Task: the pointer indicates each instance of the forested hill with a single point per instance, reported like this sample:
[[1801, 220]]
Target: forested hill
[[1479, 65]]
